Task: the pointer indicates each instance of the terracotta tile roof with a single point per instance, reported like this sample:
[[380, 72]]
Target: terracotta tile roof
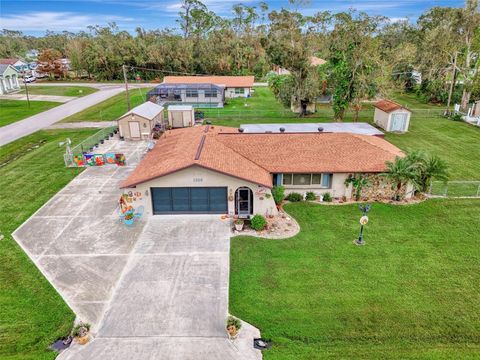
[[178, 149], [254, 157], [8, 61], [388, 105], [228, 81]]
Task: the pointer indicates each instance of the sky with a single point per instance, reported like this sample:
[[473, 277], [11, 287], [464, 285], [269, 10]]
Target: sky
[[34, 17]]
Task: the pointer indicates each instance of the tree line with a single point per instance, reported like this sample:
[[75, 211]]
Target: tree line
[[366, 55]]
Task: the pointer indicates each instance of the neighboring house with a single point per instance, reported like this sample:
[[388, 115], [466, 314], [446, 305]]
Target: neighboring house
[[18, 64], [391, 116], [201, 95], [220, 170], [314, 61], [181, 116], [235, 86], [138, 123], [32, 54], [8, 79]]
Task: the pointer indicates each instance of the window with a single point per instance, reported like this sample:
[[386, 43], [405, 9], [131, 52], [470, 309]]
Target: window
[[314, 180], [192, 93], [287, 179], [211, 93], [302, 179], [239, 90], [326, 180]]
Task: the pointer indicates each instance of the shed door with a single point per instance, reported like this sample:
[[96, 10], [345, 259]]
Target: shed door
[[189, 200], [134, 127], [399, 122], [177, 119]]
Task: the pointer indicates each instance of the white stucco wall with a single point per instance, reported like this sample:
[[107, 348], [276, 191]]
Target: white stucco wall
[[337, 187], [197, 176], [230, 93]]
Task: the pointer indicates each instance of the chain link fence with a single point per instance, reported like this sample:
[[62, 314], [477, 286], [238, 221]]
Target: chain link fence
[[455, 189]]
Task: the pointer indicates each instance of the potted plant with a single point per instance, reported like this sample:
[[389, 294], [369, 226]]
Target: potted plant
[[129, 215], [233, 326], [238, 224], [81, 333]]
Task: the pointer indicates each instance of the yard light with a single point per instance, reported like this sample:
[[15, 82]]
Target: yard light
[[363, 221]]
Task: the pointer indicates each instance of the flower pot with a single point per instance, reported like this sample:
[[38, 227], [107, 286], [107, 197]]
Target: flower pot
[[232, 332], [82, 340], [239, 227]]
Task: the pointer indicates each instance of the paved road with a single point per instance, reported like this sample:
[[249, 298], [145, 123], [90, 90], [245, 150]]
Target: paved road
[[36, 122]]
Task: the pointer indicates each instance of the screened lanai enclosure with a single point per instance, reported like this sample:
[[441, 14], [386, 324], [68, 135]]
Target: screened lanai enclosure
[[197, 95]]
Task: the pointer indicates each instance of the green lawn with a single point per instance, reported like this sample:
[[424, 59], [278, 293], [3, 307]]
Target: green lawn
[[110, 109], [456, 142], [32, 314], [78, 91], [14, 110], [410, 293]]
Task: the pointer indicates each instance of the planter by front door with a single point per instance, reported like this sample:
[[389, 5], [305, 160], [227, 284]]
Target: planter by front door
[[243, 202]]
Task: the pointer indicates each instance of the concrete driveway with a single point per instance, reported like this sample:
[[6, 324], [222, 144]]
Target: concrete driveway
[[156, 290]]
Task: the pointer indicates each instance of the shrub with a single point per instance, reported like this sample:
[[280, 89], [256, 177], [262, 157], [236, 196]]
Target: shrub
[[294, 197], [278, 193], [456, 117], [258, 222], [327, 197], [80, 330], [310, 196], [233, 321]]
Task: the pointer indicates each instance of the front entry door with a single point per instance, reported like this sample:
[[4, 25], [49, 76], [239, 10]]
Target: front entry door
[[244, 202]]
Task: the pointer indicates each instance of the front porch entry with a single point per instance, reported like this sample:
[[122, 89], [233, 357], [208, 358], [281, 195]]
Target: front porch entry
[[243, 202]]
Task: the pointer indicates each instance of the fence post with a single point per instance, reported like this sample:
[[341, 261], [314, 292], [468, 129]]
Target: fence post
[[478, 190], [446, 190]]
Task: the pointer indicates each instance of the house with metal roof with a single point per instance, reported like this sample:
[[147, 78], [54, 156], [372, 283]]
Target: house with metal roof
[[222, 170], [199, 95]]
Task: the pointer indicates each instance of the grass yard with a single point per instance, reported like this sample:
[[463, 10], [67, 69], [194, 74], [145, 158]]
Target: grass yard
[[15, 110], [110, 109], [456, 142], [410, 293], [78, 91], [32, 314]]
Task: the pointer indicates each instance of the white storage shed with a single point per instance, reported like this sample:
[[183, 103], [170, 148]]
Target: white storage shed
[[392, 116], [180, 116], [138, 123]]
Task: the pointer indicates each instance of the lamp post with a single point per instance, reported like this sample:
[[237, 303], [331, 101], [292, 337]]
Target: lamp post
[[364, 208]]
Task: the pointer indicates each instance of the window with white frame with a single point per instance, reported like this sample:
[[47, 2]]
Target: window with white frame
[[314, 180], [192, 93], [211, 93], [239, 90]]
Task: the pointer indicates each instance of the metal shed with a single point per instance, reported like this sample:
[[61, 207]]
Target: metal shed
[[138, 123], [181, 116]]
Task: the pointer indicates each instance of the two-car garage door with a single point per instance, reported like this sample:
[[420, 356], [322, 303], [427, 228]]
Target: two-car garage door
[[189, 200]]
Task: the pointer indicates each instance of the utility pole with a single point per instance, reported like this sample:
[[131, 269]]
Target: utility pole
[[124, 68], [452, 83], [28, 98]]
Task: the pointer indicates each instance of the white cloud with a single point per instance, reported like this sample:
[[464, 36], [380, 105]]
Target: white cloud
[[56, 21]]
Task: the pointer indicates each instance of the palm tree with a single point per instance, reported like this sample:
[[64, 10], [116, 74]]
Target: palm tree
[[433, 168], [400, 172]]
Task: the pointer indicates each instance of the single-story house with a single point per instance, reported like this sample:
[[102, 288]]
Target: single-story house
[[391, 116], [314, 61], [8, 79], [220, 170], [201, 95], [235, 86], [18, 64], [181, 116], [138, 123]]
